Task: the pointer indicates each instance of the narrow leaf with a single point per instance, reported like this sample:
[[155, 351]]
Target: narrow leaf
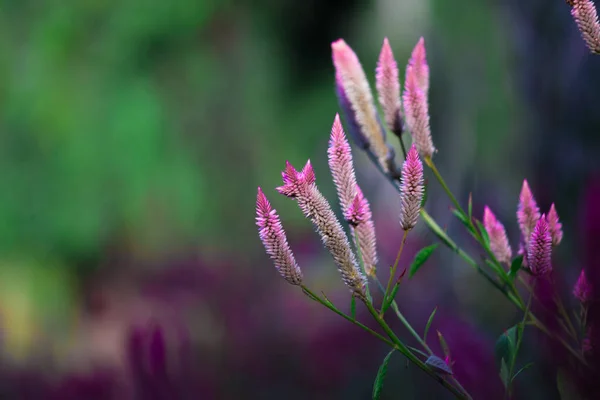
[[515, 266], [378, 385], [483, 233], [428, 325], [444, 345], [470, 207], [438, 231], [353, 307], [309, 295], [463, 218], [420, 258], [505, 345], [391, 297], [521, 370], [438, 365], [504, 374]]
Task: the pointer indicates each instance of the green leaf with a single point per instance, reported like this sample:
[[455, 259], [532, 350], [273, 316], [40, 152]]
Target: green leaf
[[463, 218], [566, 388], [505, 345], [483, 232], [438, 231], [515, 266], [378, 385], [504, 374], [470, 207], [428, 325], [444, 345], [353, 307], [420, 258], [521, 370], [391, 297]]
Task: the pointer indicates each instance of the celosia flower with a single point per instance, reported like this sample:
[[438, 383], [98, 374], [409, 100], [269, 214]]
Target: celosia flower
[[497, 234], [416, 112], [582, 289], [354, 205], [301, 186], [356, 100], [388, 88], [539, 250], [528, 212], [274, 239], [585, 16], [411, 189], [417, 66], [555, 226]]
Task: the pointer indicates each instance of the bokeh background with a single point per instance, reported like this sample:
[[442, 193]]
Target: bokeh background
[[133, 136]]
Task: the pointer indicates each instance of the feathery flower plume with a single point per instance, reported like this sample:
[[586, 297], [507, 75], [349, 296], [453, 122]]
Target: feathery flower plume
[[498, 239], [539, 250], [585, 16], [555, 226], [411, 189], [418, 67], [416, 112], [582, 289], [354, 205], [301, 186], [388, 88], [357, 102], [273, 238], [528, 212]]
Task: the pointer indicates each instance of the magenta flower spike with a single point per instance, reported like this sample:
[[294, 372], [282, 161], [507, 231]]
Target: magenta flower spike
[[586, 17], [418, 67], [416, 113], [354, 205], [539, 250], [497, 234], [275, 241], [582, 289], [356, 99], [301, 187], [388, 88], [528, 212], [555, 226], [411, 189]]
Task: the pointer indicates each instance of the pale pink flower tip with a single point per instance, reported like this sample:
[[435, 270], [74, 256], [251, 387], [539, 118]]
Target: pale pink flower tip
[[539, 251], [528, 212], [555, 226], [416, 112], [582, 289], [418, 67], [497, 234], [411, 189], [294, 180], [585, 16], [388, 87], [274, 240], [356, 212]]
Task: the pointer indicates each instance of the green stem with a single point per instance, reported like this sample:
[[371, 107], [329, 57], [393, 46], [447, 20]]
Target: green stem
[[404, 320], [346, 317], [393, 272], [519, 341], [404, 350]]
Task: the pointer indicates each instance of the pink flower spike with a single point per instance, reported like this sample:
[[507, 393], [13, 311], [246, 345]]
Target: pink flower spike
[[497, 234], [582, 289], [539, 251], [411, 189], [528, 212], [555, 226], [355, 214], [340, 164], [388, 87], [354, 90], [273, 237], [416, 112], [294, 180], [586, 17], [417, 66]]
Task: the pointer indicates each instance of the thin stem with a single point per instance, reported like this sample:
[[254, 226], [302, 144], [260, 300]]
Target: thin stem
[[393, 271], [519, 341], [346, 317], [404, 320], [404, 350]]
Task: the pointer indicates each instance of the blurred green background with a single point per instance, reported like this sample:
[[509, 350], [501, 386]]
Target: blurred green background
[[138, 130]]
